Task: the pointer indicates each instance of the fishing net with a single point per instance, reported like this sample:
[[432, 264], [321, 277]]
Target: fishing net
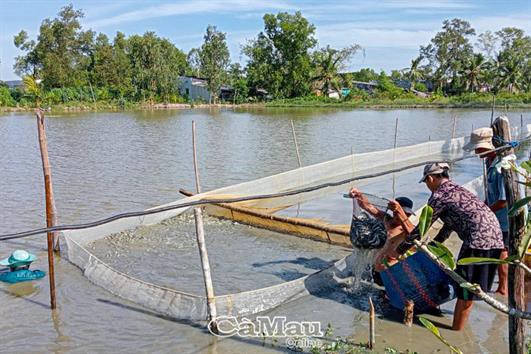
[[183, 306], [367, 231]]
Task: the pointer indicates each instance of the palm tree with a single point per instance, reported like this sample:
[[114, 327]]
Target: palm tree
[[328, 63], [509, 73], [473, 72], [414, 73]]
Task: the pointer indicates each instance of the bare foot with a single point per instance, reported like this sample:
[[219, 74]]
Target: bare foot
[[502, 292]]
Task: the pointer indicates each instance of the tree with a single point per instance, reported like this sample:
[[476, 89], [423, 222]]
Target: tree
[[448, 51], [473, 72], [487, 42], [61, 55], [328, 62], [415, 72], [156, 65], [238, 82], [513, 60], [280, 58], [214, 59]]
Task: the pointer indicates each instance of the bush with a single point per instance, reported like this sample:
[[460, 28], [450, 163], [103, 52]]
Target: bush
[[6, 99]]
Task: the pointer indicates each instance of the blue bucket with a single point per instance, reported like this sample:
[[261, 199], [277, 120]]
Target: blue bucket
[[419, 279]]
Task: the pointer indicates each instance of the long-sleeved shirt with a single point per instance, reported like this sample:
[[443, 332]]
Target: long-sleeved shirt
[[462, 212]]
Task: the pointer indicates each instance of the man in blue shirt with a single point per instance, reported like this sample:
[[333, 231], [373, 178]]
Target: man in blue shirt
[[481, 143]]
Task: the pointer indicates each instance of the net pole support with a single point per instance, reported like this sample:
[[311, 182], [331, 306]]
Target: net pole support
[[454, 126], [50, 207], [516, 275], [371, 325], [296, 143], [394, 155], [203, 253]]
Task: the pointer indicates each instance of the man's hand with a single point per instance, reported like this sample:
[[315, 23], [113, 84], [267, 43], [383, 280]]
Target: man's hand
[[397, 210], [362, 199]]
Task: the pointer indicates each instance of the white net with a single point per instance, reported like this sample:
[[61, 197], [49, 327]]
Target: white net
[[183, 306]]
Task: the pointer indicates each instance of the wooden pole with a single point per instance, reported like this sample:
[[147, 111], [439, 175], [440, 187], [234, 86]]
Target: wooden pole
[[394, 152], [50, 207], [453, 127], [492, 109], [502, 128], [521, 135], [200, 233], [295, 142], [371, 324]]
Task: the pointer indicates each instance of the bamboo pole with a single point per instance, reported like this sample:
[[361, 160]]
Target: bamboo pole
[[521, 135], [50, 207], [453, 127], [296, 143], [516, 296], [492, 109], [475, 289], [371, 324], [200, 233], [394, 152]]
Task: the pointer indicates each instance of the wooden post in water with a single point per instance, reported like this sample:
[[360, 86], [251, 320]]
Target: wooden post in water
[[521, 135], [51, 219], [453, 127], [492, 109], [371, 324], [516, 296], [394, 152], [295, 142], [200, 233]]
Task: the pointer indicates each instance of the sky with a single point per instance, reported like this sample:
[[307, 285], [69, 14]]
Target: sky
[[390, 31]]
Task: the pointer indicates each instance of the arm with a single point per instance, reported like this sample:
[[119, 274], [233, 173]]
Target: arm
[[443, 234], [498, 205], [396, 208], [364, 203]]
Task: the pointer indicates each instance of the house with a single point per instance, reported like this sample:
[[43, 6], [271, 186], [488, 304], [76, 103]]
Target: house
[[365, 86], [14, 84], [194, 88]]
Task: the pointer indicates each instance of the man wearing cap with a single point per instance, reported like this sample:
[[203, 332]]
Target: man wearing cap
[[481, 143], [475, 224]]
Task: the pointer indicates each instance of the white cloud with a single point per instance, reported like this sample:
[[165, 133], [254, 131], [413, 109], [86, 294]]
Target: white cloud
[[428, 4], [187, 8]]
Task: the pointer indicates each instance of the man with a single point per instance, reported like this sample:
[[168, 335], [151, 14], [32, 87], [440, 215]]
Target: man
[[481, 144], [475, 224], [397, 225]]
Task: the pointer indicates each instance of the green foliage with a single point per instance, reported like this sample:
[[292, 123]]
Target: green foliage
[[214, 59], [5, 97], [280, 58], [442, 253], [483, 260], [518, 205], [435, 331], [328, 62], [425, 219], [386, 87]]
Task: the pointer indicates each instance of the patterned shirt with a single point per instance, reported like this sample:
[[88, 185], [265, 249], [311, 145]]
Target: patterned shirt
[[462, 212]]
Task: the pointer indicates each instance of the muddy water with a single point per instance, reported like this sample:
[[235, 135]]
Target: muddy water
[[109, 162]]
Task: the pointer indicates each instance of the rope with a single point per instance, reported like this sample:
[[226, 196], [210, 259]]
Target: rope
[[107, 220]]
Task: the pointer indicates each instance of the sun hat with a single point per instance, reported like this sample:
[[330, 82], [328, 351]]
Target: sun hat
[[18, 257], [406, 204], [480, 138], [434, 169]]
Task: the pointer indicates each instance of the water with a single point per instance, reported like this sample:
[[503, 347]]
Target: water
[[105, 163]]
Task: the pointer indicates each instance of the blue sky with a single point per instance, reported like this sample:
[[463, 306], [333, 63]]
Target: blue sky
[[389, 30]]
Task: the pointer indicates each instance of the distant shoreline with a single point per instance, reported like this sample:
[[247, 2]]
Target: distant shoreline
[[91, 107]]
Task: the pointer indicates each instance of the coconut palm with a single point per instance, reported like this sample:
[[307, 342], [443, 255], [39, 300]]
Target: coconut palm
[[328, 63], [509, 73], [473, 72], [415, 72]]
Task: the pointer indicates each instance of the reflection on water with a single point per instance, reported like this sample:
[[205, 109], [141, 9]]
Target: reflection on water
[[105, 163]]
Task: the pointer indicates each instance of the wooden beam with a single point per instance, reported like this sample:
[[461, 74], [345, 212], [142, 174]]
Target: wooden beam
[[502, 129]]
